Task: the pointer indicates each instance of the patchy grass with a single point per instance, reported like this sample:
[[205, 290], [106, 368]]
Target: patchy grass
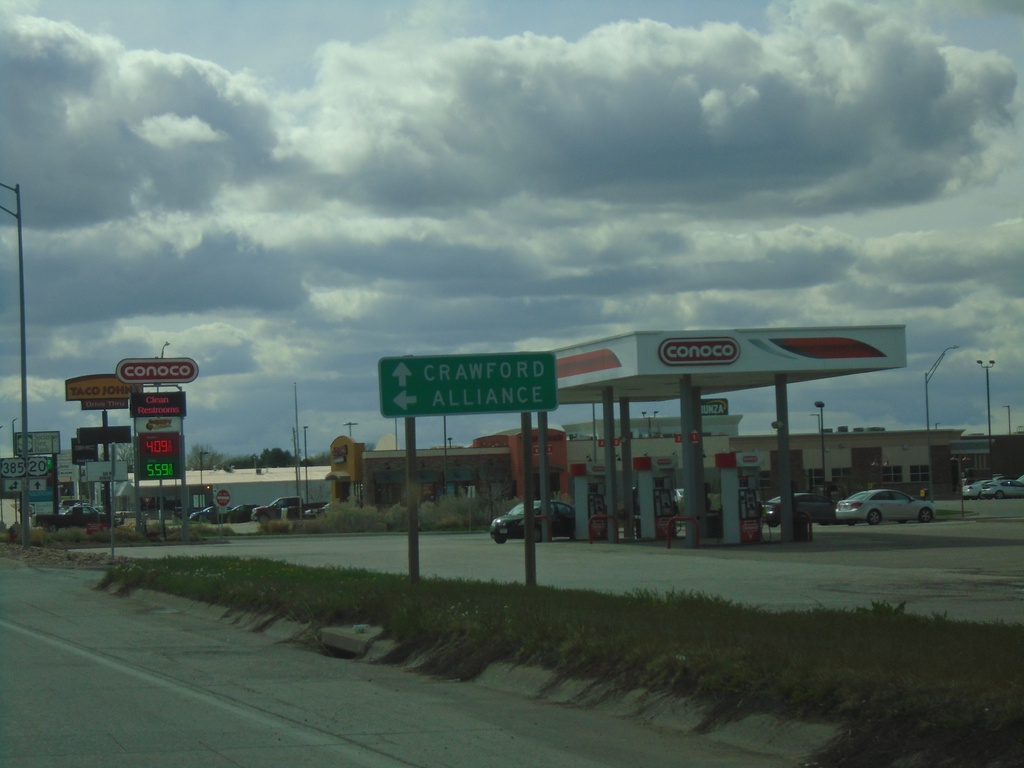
[[901, 683]]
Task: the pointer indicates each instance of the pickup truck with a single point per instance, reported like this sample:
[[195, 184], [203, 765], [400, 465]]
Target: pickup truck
[[287, 507], [74, 516]]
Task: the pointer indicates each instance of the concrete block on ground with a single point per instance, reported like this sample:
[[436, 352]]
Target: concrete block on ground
[[352, 641]]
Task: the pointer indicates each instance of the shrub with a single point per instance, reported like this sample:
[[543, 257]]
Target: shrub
[[344, 518]]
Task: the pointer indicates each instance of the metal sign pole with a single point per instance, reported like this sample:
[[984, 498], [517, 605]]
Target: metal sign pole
[[529, 538], [412, 492]]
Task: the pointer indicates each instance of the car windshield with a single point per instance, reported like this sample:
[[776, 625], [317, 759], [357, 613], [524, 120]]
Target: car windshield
[[519, 510]]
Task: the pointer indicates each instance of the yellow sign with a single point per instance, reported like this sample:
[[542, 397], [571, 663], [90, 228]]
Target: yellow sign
[[347, 457], [97, 391]]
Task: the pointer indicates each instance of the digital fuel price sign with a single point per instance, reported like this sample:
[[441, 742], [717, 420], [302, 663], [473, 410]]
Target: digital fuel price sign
[[160, 455]]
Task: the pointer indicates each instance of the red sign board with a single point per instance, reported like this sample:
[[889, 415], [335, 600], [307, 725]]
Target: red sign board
[[157, 370], [223, 497]]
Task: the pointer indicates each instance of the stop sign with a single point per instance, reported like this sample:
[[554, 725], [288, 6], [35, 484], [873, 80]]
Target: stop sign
[[223, 497]]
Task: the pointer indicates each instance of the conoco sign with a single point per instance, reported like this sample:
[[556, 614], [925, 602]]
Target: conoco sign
[[711, 351], [157, 370]]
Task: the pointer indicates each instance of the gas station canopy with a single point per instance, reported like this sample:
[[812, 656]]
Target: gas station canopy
[[648, 365], [685, 365]]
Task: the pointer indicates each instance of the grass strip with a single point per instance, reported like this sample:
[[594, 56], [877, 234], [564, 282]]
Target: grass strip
[[877, 663]]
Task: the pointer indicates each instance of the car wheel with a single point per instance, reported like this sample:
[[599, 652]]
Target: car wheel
[[1000, 494], [925, 515], [500, 539], [874, 517]]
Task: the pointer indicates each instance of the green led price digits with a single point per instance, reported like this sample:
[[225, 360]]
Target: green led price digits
[[158, 470], [160, 455]]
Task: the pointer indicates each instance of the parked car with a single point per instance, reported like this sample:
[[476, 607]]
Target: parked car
[[510, 525], [240, 513], [205, 515], [972, 490], [1002, 489], [74, 516], [881, 504], [821, 509]]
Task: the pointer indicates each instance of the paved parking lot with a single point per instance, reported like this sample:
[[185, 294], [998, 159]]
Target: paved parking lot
[[970, 568]]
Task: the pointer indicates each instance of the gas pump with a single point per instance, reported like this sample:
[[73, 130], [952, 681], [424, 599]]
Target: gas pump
[[588, 493], [741, 496], [655, 485]]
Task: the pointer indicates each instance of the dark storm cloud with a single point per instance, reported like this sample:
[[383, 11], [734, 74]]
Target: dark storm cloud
[[221, 273], [104, 133]]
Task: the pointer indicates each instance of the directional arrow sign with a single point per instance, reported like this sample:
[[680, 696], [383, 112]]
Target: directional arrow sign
[[457, 384]]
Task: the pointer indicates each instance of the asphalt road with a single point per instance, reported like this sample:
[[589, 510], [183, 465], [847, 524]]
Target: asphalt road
[[91, 680], [971, 568]]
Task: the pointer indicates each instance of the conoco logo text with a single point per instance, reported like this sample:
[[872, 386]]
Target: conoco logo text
[[698, 351], [157, 370]]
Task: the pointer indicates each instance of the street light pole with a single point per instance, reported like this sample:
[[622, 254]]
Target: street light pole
[[821, 430], [928, 417], [305, 451], [26, 529], [988, 401], [1009, 422]]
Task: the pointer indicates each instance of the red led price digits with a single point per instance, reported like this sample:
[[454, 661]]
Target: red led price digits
[[160, 455]]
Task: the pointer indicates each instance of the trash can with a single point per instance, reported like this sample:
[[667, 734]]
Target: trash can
[[801, 528]]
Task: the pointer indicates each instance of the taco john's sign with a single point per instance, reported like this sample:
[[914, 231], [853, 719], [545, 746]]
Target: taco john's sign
[[97, 392]]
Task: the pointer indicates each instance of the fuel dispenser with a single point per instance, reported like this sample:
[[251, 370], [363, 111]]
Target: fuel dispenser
[[655, 485], [741, 495], [588, 493]]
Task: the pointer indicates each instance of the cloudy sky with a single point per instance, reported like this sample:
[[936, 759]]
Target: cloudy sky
[[288, 191]]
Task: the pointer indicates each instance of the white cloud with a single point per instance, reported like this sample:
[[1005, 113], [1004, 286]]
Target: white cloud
[[172, 131], [432, 191]]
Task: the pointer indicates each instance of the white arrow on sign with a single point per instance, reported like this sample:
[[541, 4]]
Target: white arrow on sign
[[402, 373], [12, 485], [403, 400]]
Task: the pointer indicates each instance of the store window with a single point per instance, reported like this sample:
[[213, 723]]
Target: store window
[[892, 474]]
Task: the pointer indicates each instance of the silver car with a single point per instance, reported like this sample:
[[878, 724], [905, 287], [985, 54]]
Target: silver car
[[973, 489], [881, 504], [1003, 488]]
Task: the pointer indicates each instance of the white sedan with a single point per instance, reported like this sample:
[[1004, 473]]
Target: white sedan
[[1003, 488], [881, 504], [973, 490]]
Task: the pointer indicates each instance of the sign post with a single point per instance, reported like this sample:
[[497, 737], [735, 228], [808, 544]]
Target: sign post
[[463, 384]]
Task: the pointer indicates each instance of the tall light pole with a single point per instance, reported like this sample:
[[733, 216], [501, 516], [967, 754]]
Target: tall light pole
[[305, 451], [351, 424], [1009, 422], [988, 400], [928, 417], [26, 529], [821, 431]]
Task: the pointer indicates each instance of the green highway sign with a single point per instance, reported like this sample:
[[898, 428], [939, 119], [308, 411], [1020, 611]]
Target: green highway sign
[[454, 384]]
